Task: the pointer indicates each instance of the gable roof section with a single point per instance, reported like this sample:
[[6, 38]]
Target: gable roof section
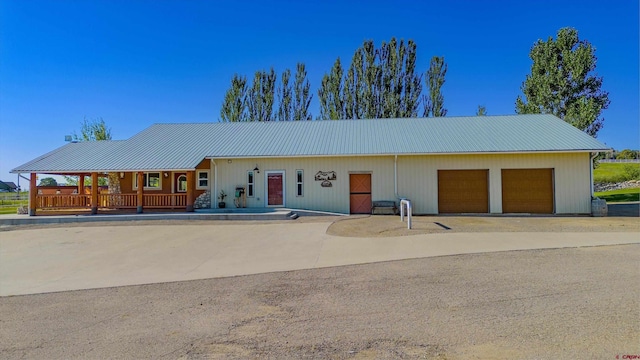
[[76, 156], [8, 185], [183, 146]]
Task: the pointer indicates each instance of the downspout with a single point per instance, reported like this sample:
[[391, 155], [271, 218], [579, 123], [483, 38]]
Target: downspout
[[214, 198], [395, 177], [591, 172]]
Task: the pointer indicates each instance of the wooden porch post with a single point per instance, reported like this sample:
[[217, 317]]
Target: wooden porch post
[[80, 184], [140, 201], [94, 193], [191, 185], [33, 191]]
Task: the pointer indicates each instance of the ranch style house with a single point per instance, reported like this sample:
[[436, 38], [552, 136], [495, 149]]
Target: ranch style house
[[482, 164]]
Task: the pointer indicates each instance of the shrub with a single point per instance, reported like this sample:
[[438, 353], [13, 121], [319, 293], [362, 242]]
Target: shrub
[[632, 171]]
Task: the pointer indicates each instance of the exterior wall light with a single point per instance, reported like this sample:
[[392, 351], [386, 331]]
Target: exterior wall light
[[256, 169]]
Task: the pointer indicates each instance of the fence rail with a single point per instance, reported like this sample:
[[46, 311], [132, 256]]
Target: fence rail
[[619, 161]]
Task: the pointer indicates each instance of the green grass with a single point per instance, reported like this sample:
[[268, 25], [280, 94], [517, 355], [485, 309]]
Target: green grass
[[619, 195], [8, 210], [614, 172], [9, 204]]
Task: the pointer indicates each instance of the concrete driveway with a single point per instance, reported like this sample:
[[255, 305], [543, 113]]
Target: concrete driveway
[[72, 258]]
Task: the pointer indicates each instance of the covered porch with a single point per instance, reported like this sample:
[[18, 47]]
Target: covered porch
[[93, 199]]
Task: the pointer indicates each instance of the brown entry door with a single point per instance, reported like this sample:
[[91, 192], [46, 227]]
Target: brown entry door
[[275, 189], [360, 193]]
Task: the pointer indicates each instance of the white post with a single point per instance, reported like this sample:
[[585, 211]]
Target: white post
[[407, 203]]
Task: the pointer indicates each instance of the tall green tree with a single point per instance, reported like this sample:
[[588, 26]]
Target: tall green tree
[[285, 108], [330, 94], [563, 82], [412, 87], [379, 83], [234, 107], [302, 94], [261, 96], [482, 111], [92, 130], [435, 78], [48, 181]]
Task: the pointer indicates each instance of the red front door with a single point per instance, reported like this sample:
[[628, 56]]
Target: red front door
[[275, 189]]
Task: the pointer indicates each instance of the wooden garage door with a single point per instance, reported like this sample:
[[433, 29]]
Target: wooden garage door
[[527, 191], [360, 193], [463, 191]]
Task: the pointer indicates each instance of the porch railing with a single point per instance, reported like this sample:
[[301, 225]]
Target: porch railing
[[112, 201], [63, 201], [165, 201]]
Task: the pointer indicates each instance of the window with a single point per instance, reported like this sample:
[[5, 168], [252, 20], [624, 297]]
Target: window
[[150, 181], [203, 180], [250, 183], [182, 183], [299, 180]]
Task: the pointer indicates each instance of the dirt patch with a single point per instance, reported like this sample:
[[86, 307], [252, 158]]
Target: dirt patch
[[385, 225]]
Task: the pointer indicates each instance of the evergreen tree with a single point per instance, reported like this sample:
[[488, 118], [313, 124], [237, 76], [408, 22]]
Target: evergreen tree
[[562, 82], [435, 78]]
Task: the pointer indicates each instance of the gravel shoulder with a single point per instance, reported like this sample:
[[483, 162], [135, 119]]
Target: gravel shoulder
[[551, 304]]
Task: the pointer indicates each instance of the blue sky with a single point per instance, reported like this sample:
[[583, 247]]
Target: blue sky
[[135, 63]]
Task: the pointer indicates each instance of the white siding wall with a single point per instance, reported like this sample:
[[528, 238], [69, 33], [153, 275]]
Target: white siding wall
[[315, 197], [417, 179]]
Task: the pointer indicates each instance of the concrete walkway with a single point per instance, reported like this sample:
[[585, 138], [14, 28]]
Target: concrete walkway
[[59, 259]]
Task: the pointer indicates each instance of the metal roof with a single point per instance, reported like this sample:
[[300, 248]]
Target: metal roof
[[183, 146]]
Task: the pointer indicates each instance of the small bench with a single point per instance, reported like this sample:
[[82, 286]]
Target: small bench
[[384, 207]]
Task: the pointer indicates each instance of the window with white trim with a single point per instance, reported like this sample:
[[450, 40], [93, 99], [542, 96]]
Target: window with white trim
[[250, 183], [151, 181], [203, 179], [299, 182]]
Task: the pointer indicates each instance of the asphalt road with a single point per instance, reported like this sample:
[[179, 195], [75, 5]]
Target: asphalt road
[[579, 303]]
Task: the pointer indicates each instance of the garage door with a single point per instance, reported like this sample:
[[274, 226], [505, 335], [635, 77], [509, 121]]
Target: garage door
[[360, 193], [463, 191], [527, 191]]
